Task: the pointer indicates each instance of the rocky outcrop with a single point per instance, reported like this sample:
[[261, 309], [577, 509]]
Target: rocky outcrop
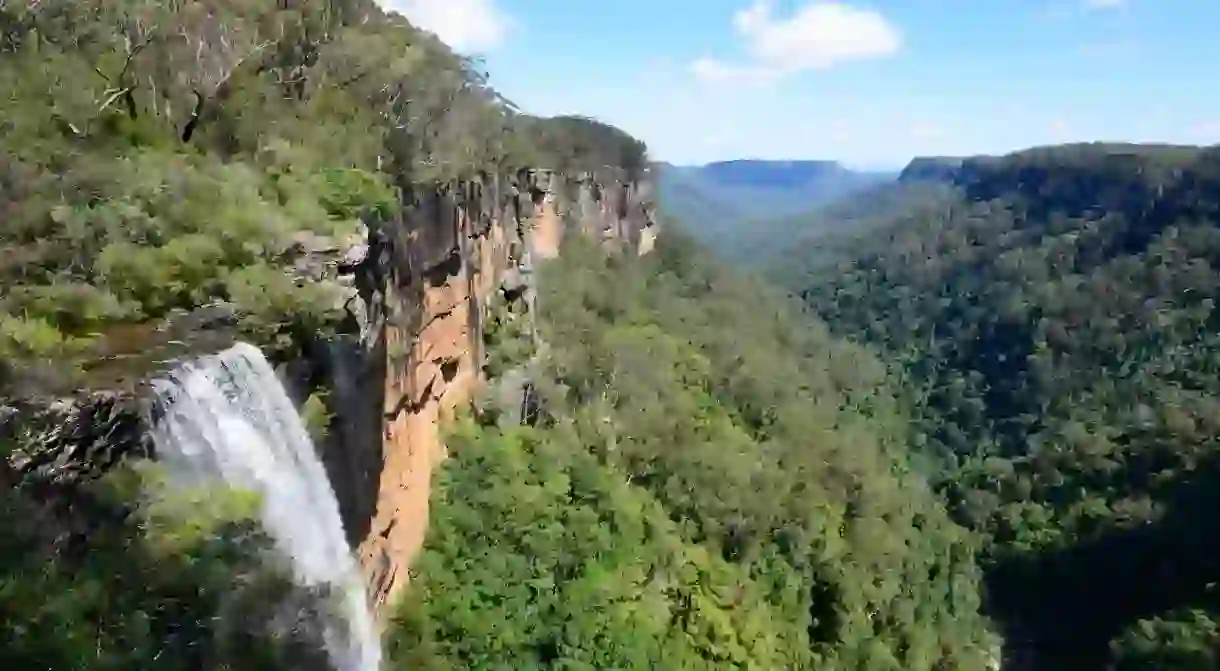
[[61, 435], [66, 440]]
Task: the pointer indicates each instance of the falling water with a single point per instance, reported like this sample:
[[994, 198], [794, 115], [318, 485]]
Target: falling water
[[227, 416]]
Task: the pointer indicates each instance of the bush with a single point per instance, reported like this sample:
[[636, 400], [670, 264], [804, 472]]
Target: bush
[[183, 580], [316, 414], [348, 193], [1182, 641]]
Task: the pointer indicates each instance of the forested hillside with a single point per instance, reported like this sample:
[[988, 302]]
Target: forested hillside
[[713, 481], [1054, 323], [163, 157], [819, 236]]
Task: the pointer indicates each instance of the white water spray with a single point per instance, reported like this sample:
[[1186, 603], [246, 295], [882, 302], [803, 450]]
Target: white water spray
[[227, 416]]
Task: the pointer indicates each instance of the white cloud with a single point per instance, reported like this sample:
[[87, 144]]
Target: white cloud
[[714, 71], [465, 25], [820, 35], [817, 36]]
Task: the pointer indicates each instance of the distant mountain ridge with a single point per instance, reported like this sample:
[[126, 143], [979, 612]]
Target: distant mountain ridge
[[932, 168], [724, 194], [780, 174], [753, 210]]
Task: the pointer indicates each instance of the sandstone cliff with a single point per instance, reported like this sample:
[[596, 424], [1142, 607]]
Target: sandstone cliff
[[429, 280]]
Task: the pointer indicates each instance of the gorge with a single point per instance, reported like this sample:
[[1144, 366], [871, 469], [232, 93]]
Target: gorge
[[317, 353]]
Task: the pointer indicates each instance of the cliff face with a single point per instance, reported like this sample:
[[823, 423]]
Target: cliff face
[[424, 290]]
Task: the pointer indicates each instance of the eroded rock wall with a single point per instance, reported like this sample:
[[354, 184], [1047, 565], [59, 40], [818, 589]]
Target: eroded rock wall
[[426, 287], [610, 207]]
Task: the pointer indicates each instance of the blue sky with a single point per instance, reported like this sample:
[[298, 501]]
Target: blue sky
[[871, 83]]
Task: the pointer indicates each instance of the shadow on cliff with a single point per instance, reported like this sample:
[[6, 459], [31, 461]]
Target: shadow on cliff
[[1062, 609]]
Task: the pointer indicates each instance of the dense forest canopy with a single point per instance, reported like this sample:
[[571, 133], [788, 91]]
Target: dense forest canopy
[[1054, 323], [714, 482]]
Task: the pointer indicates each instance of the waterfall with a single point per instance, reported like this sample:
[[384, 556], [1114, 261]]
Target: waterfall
[[228, 417]]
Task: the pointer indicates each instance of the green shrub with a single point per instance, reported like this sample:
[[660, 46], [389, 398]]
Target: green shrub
[[35, 338], [1181, 641], [347, 193], [184, 579], [271, 301], [316, 414]]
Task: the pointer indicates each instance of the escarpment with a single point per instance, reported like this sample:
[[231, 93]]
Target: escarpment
[[433, 276]]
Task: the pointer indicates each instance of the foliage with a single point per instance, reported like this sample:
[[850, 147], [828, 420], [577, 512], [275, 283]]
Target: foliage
[[161, 156], [182, 580], [574, 144], [720, 483], [316, 415], [1184, 642], [581, 569], [1055, 324], [508, 336]]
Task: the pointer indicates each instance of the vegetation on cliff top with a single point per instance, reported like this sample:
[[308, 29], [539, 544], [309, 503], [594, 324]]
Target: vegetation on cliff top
[[165, 155]]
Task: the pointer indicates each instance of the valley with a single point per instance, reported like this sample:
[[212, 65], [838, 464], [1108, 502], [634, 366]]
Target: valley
[[317, 353], [1049, 317], [731, 204]]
